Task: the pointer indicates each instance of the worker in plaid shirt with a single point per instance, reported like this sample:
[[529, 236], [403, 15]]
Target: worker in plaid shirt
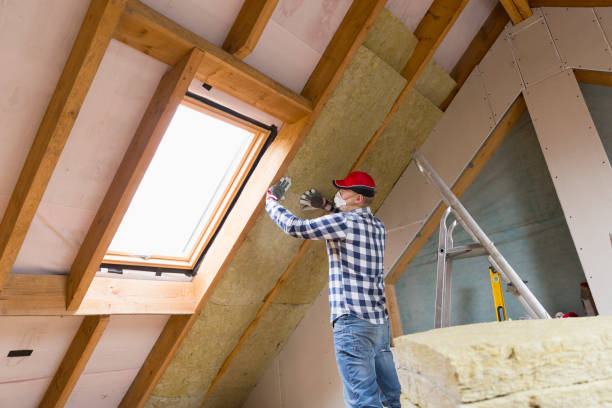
[[355, 246]]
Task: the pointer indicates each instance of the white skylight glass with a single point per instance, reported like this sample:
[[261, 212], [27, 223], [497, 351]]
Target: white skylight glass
[[196, 159]]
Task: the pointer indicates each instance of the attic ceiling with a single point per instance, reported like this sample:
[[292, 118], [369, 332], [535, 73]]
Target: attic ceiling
[[291, 45]]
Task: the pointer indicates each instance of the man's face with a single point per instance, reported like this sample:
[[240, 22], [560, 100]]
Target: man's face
[[349, 196]]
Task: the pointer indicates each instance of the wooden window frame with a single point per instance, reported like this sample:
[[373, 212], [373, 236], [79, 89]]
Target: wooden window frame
[[221, 207]]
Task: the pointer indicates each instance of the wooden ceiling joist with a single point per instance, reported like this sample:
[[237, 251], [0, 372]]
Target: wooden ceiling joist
[[74, 362], [518, 10], [169, 94], [273, 164], [440, 17], [594, 77], [248, 27], [75, 80], [45, 295], [154, 34], [478, 48], [570, 3], [465, 180]]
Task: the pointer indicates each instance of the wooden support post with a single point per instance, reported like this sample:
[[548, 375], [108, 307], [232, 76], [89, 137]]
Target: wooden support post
[[478, 48], [395, 319], [248, 27], [518, 10], [342, 48], [75, 360], [170, 92], [81, 67], [465, 180]]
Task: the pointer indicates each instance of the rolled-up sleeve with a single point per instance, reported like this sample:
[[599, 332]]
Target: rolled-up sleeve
[[331, 226]]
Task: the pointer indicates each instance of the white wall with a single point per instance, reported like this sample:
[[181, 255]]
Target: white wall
[[304, 374]]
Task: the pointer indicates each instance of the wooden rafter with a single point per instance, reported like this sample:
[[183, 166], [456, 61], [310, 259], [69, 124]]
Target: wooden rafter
[[431, 31], [478, 48], [45, 295], [248, 27], [154, 34], [247, 208], [169, 94], [465, 180], [74, 362], [79, 71], [594, 77], [518, 10]]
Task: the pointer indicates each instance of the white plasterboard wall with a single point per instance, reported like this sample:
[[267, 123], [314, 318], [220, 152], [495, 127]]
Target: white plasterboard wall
[[304, 374], [531, 50], [116, 360]]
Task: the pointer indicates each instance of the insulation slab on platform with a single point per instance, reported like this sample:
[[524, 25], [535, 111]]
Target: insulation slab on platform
[[524, 363]]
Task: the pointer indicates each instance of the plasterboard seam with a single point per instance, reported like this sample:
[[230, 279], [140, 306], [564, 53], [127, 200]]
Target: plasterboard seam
[[603, 33]]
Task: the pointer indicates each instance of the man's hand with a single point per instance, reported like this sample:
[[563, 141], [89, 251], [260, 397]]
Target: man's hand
[[313, 200], [278, 190]]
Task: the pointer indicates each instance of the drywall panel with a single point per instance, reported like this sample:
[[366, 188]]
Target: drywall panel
[[500, 75], [101, 390], [23, 394], [34, 49], [126, 342], [579, 38], [604, 16], [48, 337], [581, 174], [461, 131], [534, 49], [107, 121], [210, 19], [396, 242], [296, 379]]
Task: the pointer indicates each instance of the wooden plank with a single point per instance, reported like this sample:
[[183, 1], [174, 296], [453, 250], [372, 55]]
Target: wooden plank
[[146, 30], [465, 180], [248, 27], [79, 71], [73, 364], [517, 10], [478, 48], [594, 77], [45, 295], [351, 33], [395, 319], [432, 29], [272, 165], [169, 94]]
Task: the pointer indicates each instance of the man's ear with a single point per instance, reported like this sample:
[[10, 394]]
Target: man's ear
[[360, 198]]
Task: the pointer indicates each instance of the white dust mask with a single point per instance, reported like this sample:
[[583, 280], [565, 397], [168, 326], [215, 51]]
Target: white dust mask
[[339, 201]]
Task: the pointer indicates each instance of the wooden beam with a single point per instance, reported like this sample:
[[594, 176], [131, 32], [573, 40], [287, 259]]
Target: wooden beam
[[465, 180], [594, 77], [518, 10], [570, 3], [45, 295], [146, 30], [432, 29], [478, 48], [74, 362], [79, 71], [169, 94], [248, 27], [395, 319], [273, 164]]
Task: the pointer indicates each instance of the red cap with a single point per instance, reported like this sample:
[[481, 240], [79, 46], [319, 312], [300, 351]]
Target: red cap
[[358, 181]]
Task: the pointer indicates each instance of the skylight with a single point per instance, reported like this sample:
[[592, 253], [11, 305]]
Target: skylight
[[191, 180]]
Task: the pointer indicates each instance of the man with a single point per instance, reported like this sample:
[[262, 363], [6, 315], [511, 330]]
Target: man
[[355, 246]]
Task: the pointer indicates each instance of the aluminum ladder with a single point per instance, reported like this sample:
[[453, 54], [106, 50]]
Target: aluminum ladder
[[482, 246]]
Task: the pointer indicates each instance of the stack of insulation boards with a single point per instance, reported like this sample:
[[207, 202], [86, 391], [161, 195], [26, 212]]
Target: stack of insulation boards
[[525, 363]]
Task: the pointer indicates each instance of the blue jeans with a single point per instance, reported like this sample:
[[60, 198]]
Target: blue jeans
[[365, 363]]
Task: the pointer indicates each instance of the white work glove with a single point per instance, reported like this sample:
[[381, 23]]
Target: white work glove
[[277, 191], [313, 200]]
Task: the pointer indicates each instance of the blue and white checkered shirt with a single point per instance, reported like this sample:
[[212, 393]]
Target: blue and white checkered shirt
[[355, 246]]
